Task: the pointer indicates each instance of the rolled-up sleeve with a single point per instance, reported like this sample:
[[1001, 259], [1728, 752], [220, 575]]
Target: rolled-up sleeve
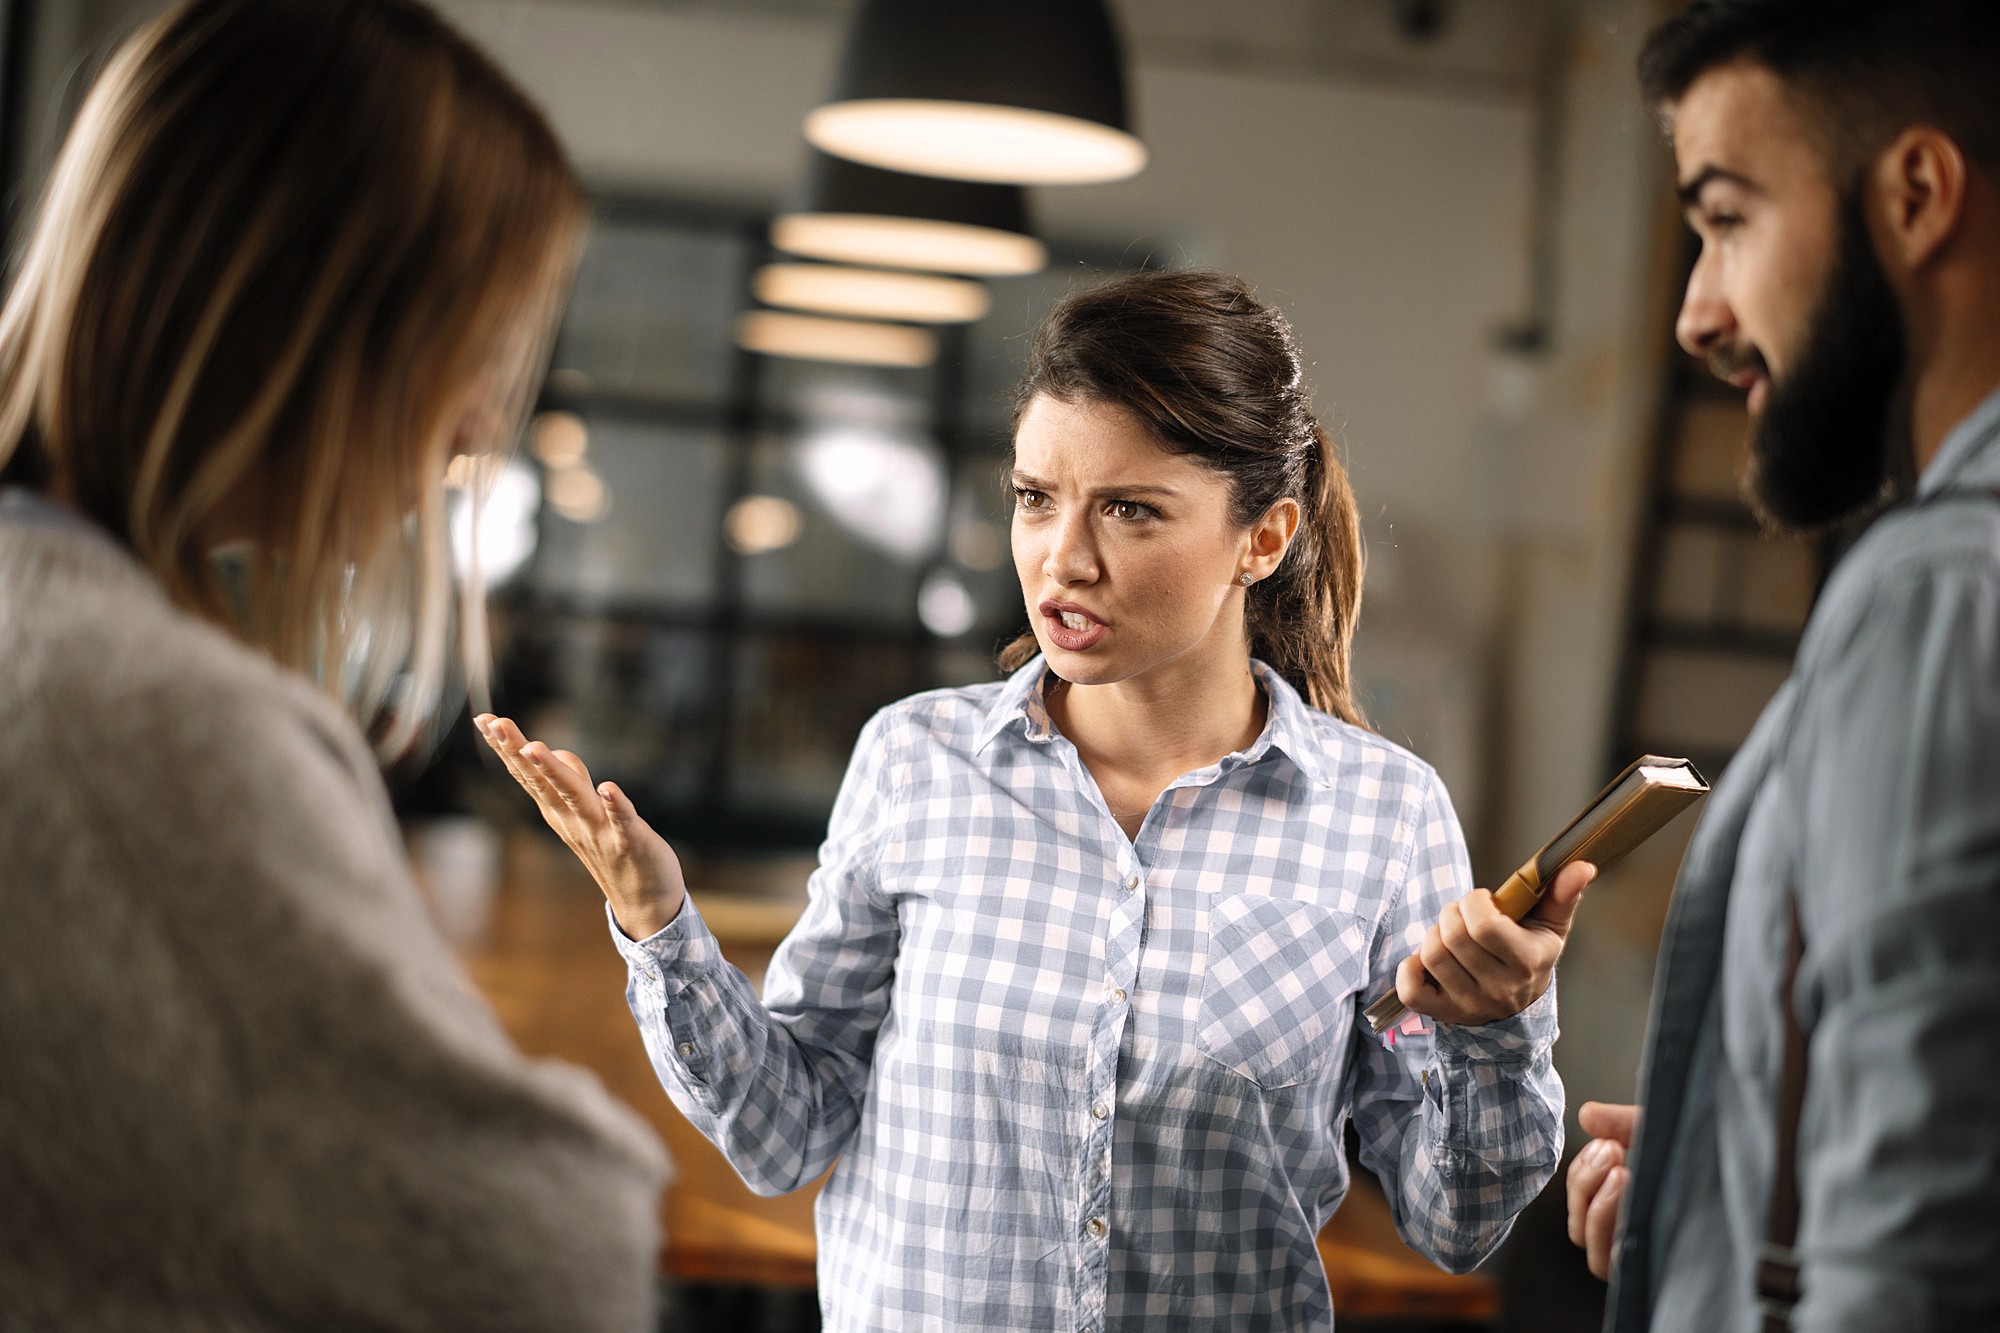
[[777, 1083], [1464, 1125]]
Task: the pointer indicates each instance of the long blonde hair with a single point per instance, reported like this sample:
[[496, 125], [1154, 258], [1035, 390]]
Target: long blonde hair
[[291, 254]]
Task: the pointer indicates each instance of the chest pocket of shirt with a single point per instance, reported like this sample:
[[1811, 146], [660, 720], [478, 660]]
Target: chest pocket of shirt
[[1281, 978]]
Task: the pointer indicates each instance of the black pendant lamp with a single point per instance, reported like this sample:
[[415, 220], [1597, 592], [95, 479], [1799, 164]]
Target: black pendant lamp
[[854, 214], [1029, 92]]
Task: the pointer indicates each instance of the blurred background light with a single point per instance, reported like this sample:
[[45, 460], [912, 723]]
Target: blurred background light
[[945, 605], [888, 491], [944, 247], [1024, 91], [506, 524], [857, 214], [578, 494], [977, 544], [965, 141], [559, 439], [759, 523], [815, 338], [871, 294]]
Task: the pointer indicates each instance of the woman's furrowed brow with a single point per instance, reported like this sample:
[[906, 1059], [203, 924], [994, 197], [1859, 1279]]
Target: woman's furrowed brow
[[1027, 482]]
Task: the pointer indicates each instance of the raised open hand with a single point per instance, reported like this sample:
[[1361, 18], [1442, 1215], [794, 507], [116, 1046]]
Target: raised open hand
[[638, 871]]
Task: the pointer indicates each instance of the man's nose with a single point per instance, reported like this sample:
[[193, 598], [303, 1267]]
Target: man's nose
[[1706, 322], [1072, 553]]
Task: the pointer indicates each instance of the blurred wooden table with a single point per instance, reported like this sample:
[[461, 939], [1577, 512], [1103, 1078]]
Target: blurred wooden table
[[558, 984]]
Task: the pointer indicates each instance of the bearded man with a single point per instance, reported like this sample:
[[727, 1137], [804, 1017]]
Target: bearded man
[[1817, 1142]]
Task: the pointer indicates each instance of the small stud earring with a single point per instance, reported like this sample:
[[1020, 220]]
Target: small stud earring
[[1246, 579]]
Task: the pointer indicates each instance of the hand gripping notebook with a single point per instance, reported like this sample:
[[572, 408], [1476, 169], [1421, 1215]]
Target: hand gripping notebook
[[1639, 803]]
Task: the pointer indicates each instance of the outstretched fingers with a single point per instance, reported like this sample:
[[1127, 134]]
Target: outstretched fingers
[[567, 780], [562, 792], [505, 738], [618, 805]]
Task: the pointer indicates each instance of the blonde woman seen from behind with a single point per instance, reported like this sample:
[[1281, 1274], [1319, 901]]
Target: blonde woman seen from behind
[[294, 256]]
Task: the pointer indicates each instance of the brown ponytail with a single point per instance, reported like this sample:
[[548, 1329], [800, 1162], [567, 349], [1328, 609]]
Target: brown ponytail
[[1216, 374]]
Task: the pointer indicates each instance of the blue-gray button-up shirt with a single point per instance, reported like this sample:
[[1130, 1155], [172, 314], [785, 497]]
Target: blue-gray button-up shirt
[[1076, 1081], [1871, 786]]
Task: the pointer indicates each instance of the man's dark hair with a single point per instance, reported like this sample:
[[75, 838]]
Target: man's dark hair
[[1865, 69]]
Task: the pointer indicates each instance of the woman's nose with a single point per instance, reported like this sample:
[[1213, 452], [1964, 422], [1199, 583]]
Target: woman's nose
[[1072, 554]]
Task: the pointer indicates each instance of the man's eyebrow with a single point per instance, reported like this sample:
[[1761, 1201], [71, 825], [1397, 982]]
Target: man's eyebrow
[[1690, 190]]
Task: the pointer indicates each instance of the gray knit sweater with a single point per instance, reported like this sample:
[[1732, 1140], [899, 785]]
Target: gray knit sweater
[[243, 1083]]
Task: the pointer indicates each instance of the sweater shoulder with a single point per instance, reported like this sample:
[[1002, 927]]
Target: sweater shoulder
[[93, 649]]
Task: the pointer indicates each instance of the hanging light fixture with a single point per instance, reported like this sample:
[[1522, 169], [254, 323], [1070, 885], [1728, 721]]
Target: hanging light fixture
[[1027, 91], [869, 293], [854, 341], [853, 214]]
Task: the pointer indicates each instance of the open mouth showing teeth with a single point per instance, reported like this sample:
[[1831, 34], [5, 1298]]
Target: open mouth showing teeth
[[1071, 620]]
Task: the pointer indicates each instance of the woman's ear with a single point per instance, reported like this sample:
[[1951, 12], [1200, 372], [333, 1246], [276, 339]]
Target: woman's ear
[[1270, 537]]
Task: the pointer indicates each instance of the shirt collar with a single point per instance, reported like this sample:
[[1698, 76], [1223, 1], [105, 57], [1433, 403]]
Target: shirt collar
[[1288, 726], [1020, 698], [1967, 455]]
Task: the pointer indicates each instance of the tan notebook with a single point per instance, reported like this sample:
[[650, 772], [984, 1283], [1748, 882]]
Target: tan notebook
[[1639, 803]]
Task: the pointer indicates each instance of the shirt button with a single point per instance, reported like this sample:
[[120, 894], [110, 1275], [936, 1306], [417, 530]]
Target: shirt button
[[1099, 1111], [1095, 1226], [1131, 883], [1116, 995], [686, 1049]]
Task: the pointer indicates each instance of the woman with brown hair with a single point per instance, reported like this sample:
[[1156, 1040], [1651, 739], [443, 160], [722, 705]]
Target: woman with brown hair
[[295, 255], [1076, 1000]]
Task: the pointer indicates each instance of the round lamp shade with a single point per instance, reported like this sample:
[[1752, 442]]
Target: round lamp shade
[[854, 214], [867, 293], [852, 341], [1030, 92]]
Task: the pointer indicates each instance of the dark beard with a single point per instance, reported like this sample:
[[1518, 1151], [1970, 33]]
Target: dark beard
[[1824, 450]]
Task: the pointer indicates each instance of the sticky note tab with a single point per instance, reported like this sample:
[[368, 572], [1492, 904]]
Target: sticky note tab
[[1411, 1026]]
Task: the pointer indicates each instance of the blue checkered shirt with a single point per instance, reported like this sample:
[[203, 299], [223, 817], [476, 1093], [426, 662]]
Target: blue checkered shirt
[[1080, 1082]]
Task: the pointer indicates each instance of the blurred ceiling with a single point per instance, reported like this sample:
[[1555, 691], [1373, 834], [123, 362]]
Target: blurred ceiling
[[1477, 48]]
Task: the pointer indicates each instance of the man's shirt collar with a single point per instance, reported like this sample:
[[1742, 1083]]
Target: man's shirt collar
[[1968, 457]]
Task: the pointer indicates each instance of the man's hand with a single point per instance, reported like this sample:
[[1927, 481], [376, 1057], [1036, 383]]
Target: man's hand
[[638, 871], [1476, 965], [1597, 1180]]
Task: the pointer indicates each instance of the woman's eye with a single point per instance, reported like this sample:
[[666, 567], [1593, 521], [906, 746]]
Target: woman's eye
[[1028, 499], [1128, 509], [1724, 221]]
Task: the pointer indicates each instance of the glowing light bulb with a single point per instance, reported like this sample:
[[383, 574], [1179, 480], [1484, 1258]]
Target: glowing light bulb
[[976, 141], [871, 294], [814, 338]]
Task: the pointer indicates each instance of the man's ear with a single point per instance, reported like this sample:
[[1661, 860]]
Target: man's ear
[[1919, 186]]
